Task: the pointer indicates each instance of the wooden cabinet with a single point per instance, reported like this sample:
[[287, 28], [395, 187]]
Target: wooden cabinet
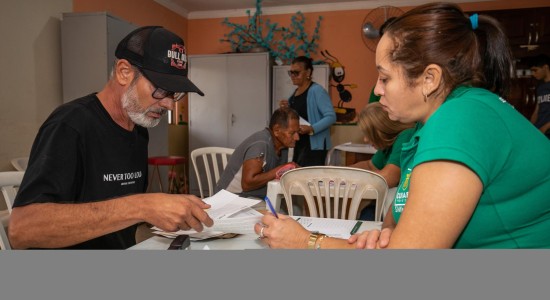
[[522, 95], [528, 29]]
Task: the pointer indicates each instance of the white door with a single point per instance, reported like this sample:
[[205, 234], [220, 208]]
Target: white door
[[208, 114], [249, 95]]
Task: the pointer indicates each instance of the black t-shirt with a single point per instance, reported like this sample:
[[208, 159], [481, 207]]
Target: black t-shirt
[[81, 155], [299, 103]]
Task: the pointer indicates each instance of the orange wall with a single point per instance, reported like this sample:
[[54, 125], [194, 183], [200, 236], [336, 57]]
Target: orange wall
[[339, 34]]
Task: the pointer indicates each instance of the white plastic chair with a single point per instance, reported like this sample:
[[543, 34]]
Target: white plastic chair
[[4, 242], [343, 202], [20, 163], [9, 183], [214, 161]]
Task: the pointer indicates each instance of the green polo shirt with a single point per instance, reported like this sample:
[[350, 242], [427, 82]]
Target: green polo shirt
[[511, 157]]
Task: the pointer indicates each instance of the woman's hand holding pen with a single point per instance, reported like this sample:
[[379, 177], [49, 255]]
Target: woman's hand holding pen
[[372, 239], [283, 232]]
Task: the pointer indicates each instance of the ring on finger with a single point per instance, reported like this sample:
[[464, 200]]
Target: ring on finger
[[262, 232]]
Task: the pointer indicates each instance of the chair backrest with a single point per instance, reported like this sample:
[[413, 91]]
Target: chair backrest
[[9, 183], [20, 163], [334, 192], [4, 242], [214, 160]]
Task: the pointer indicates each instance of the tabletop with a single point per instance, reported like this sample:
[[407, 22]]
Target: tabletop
[[240, 242]]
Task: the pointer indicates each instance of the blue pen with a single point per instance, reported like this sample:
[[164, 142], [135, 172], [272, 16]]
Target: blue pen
[[271, 207]]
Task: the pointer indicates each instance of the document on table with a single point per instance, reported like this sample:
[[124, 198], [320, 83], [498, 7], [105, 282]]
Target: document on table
[[231, 214], [334, 227], [242, 223], [224, 204]]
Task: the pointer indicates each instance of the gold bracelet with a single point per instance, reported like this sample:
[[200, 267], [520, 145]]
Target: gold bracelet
[[312, 240], [319, 241]]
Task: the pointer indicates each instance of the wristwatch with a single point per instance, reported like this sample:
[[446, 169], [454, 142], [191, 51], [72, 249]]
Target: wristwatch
[[313, 237]]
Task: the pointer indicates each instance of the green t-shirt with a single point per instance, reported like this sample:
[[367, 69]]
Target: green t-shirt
[[510, 156], [392, 155]]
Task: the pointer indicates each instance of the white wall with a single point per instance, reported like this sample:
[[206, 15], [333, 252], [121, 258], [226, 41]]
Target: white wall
[[30, 71]]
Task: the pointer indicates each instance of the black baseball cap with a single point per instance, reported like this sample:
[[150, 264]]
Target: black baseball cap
[[160, 55]]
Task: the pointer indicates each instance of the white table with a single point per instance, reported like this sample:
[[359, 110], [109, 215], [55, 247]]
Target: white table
[[241, 242], [334, 160]]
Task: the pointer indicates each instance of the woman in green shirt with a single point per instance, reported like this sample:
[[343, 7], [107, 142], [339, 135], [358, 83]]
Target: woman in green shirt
[[387, 136], [475, 173]]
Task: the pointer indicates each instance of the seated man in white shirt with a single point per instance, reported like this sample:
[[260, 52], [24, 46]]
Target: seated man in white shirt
[[258, 158]]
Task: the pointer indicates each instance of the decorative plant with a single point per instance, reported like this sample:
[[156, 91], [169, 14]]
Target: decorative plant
[[256, 33], [282, 43], [295, 39]]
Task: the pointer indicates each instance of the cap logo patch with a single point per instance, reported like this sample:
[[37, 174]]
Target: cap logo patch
[[177, 56]]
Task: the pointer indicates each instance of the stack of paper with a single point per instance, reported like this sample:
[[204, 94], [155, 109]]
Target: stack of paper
[[231, 214], [336, 227]]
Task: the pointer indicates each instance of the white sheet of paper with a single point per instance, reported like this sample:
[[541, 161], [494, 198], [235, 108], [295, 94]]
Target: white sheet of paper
[[231, 214], [240, 225], [332, 227], [225, 204], [243, 225], [304, 122], [249, 212]]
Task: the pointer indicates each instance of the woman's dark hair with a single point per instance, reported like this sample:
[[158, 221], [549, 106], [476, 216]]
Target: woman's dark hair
[[305, 61], [441, 34]]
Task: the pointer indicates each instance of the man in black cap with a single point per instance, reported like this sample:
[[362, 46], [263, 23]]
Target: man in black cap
[[87, 174]]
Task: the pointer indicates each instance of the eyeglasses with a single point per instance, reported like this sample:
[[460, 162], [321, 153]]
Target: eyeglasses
[[294, 73], [160, 94]]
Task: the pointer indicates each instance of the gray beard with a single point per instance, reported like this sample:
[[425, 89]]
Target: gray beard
[[135, 112]]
